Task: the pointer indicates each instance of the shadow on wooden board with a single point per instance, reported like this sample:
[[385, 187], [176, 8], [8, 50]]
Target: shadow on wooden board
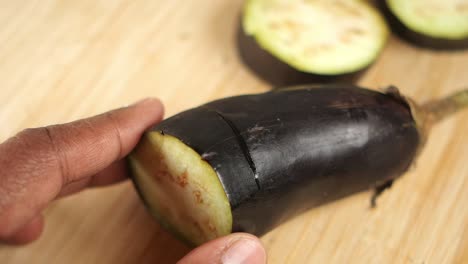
[[162, 247]]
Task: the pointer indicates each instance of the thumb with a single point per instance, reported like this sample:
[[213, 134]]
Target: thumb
[[237, 248]]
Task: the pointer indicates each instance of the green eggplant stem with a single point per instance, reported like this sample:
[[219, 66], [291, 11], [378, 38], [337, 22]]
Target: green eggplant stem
[[440, 109]]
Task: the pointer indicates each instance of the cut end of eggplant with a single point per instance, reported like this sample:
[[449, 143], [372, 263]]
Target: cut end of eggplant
[[321, 37], [181, 190], [446, 19]]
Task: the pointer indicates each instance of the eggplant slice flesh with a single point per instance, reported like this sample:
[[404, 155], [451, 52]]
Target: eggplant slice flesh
[[181, 189]]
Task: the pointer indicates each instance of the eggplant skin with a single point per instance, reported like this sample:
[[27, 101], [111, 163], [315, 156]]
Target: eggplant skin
[[280, 153], [417, 38]]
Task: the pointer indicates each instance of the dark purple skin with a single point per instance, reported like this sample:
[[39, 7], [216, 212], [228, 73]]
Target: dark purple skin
[[417, 38], [280, 153], [276, 72]]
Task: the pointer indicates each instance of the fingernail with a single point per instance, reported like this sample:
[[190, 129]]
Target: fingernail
[[244, 251]]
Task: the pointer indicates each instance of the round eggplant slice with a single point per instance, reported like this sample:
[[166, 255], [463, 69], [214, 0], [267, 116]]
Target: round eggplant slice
[[441, 24], [325, 37]]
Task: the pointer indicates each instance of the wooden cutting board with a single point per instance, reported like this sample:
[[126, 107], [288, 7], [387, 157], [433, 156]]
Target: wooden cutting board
[[63, 60]]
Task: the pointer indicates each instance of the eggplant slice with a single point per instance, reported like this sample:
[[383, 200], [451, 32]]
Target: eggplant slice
[[324, 37], [440, 24], [279, 74]]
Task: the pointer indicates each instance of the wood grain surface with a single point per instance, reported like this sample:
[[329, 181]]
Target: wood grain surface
[[63, 60]]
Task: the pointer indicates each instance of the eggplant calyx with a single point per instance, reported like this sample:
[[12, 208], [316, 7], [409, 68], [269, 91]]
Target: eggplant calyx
[[440, 109], [430, 113], [419, 114]]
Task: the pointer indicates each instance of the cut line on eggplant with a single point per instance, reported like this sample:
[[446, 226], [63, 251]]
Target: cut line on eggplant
[[309, 145], [243, 146]]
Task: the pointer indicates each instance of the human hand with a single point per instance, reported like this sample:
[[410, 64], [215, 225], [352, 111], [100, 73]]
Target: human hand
[[41, 164]]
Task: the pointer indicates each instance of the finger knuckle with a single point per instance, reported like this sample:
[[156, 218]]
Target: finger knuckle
[[39, 147], [34, 136], [115, 126]]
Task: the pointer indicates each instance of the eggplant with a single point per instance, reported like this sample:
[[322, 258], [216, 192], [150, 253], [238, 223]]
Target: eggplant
[[324, 37], [248, 163], [437, 24]]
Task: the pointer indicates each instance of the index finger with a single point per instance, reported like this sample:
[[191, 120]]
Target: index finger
[[85, 147]]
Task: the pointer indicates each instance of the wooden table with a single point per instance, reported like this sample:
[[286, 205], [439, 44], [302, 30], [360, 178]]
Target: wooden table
[[63, 60]]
